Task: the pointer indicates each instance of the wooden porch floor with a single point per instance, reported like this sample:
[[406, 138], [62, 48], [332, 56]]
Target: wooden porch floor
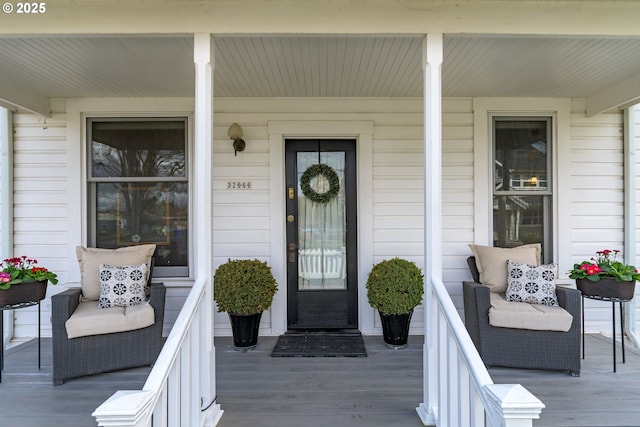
[[382, 389]]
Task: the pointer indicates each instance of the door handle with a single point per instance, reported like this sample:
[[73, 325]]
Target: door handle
[[291, 250]]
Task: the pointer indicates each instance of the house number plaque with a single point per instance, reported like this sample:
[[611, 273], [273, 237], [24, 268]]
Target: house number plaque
[[239, 185]]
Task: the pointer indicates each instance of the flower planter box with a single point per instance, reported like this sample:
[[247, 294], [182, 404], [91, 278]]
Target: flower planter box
[[22, 293], [607, 288]]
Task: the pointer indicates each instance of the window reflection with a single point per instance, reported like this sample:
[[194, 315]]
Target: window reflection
[[138, 185], [521, 155], [522, 188], [138, 149]]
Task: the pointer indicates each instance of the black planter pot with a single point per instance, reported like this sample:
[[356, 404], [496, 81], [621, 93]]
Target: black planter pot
[[395, 328], [606, 288], [245, 329], [23, 293]]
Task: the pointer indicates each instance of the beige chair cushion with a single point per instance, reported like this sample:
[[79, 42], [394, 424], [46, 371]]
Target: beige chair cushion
[[522, 315], [89, 319], [492, 262], [91, 258]]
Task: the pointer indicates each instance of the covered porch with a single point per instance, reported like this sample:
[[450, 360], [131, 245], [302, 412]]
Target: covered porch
[[381, 76], [380, 390]]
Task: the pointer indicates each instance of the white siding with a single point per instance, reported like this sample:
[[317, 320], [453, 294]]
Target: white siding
[[457, 193], [243, 219], [597, 196], [40, 204]]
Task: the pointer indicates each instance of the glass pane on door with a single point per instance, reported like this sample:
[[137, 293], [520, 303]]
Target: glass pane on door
[[321, 225]]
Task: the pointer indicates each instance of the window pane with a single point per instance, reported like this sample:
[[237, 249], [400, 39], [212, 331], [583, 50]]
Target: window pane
[[521, 155], [518, 220], [138, 148], [135, 213], [321, 227]]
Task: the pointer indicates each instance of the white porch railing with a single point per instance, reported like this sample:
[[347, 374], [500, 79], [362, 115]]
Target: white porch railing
[[458, 388], [178, 389]]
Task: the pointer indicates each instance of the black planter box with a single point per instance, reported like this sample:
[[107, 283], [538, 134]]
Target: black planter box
[[607, 288]]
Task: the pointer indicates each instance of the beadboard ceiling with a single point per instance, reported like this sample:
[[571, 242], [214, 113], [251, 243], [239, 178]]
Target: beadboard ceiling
[[308, 66]]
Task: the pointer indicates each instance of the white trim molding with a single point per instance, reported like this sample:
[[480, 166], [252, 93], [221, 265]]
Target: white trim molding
[[362, 132]]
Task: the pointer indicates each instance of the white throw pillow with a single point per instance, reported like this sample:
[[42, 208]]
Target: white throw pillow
[[122, 286], [532, 284]]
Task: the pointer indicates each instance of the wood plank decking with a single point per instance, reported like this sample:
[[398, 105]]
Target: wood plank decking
[[382, 389]]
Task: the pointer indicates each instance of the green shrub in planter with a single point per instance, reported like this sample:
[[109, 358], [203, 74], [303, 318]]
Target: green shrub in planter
[[244, 286], [395, 286]]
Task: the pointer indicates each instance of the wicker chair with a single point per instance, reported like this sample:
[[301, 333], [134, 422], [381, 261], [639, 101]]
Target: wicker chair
[[102, 353], [521, 348]]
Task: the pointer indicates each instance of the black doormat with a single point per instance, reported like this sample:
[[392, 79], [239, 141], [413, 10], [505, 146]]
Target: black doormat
[[319, 344]]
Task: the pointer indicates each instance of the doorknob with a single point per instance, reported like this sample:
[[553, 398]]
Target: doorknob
[[292, 252]]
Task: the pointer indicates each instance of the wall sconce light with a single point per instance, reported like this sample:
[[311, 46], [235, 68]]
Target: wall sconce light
[[235, 133], [534, 180]]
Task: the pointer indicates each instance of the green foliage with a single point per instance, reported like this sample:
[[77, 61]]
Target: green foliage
[[14, 271], [395, 286], [606, 264], [313, 172], [244, 286]]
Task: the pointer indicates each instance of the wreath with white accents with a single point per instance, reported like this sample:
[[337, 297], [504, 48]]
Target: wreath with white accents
[[315, 171]]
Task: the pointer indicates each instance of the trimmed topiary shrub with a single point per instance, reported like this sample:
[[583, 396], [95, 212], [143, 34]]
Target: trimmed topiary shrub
[[244, 286], [395, 286]]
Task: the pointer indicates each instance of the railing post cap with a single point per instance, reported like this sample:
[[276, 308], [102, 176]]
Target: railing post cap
[[514, 401], [124, 408]]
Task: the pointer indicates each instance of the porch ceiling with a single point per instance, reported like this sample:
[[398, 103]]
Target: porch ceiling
[[33, 70]]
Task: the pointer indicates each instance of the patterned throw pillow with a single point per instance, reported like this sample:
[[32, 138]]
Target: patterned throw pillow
[[122, 286], [532, 284]]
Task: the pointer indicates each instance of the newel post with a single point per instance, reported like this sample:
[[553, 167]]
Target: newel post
[[125, 408], [512, 405]]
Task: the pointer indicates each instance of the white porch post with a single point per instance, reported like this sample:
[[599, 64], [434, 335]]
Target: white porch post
[[6, 204], [204, 59], [630, 254], [432, 64]]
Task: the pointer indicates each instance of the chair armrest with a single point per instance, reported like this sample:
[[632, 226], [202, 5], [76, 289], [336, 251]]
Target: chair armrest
[[63, 305], [157, 297], [570, 299], [476, 308], [477, 294]]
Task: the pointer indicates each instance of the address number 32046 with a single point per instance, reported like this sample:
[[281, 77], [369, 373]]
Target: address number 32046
[[238, 185]]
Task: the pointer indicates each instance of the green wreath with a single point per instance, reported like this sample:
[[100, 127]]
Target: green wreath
[[315, 171]]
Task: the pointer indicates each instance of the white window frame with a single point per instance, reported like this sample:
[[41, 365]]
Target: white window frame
[[159, 271], [560, 111], [547, 243], [77, 111]]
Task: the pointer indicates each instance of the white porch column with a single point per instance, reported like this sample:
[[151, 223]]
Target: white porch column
[[630, 188], [6, 204], [204, 59], [432, 65]]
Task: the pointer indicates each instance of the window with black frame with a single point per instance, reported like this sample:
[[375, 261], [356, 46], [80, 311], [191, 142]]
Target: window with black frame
[[138, 187], [522, 190]]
